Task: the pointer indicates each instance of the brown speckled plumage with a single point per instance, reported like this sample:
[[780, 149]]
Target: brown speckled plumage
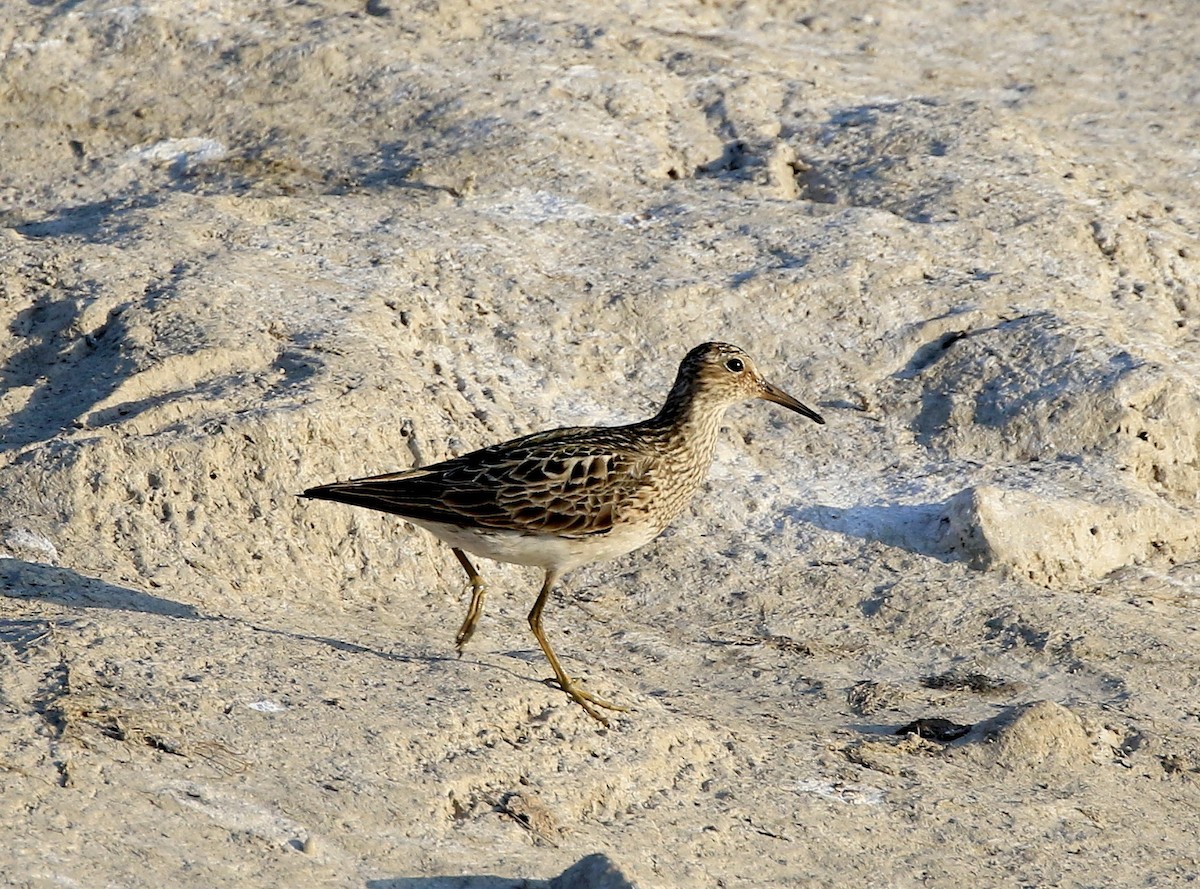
[[562, 498]]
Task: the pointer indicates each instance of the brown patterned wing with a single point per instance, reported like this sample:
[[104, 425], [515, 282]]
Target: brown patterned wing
[[571, 482], [573, 492]]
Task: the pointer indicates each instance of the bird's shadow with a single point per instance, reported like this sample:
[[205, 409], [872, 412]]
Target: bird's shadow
[[38, 582], [392, 656], [34, 581]]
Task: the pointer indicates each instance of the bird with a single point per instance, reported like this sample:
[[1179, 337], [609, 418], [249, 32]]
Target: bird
[[567, 497]]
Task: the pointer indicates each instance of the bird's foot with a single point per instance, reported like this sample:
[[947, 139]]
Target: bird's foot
[[586, 699]]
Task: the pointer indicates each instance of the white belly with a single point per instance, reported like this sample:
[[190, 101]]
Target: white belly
[[558, 553]]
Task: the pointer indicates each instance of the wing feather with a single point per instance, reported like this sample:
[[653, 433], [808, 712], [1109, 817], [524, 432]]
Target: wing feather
[[572, 482]]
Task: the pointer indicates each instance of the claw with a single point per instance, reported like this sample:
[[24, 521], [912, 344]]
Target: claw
[[586, 699]]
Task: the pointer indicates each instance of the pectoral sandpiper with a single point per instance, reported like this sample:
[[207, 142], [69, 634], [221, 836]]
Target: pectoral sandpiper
[[560, 499]]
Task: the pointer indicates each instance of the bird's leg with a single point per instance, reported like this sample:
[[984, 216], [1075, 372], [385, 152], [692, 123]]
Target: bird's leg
[[581, 697], [475, 609]]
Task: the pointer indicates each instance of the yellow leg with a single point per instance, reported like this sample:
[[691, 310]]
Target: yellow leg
[[475, 609], [581, 697]]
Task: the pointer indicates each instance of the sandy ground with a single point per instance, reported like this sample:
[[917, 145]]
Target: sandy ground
[[949, 639]]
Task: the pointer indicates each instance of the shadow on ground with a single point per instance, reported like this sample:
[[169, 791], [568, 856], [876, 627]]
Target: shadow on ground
[[33, 581], [593, 871], [916, 527]]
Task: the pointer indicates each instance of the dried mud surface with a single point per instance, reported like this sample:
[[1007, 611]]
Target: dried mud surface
[[948, 639]]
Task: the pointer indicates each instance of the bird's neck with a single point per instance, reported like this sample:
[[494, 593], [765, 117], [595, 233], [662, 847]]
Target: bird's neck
[[689, 422]]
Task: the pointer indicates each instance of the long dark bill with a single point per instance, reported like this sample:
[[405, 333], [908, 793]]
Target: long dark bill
[[774, 393]]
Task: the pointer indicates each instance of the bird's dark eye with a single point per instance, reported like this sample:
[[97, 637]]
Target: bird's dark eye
[[735, 365]]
